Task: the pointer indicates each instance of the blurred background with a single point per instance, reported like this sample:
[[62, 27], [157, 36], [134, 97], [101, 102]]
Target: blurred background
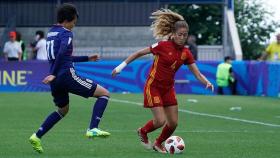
[[240, 119], [241, 29]]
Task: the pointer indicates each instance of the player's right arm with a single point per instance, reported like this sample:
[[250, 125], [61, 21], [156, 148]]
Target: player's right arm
[[19, 52], [131, 58]]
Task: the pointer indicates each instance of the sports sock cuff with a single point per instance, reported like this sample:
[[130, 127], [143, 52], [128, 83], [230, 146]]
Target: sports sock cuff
[[104, 97], [61, 115]]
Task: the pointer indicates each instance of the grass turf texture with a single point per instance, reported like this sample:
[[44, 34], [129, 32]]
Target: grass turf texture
[[206, 137]]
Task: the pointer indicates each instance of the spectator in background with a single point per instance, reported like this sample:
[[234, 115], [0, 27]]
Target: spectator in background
[[22, 45], [225, 76], [34, 52], [12, 49], [272, 52], [192, 45], [40, 46]]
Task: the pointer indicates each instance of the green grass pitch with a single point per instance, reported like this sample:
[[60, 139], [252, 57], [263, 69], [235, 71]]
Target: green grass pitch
[[209, 128]]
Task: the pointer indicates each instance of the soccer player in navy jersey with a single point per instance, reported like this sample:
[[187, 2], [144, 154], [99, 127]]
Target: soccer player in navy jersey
[[64, 80]]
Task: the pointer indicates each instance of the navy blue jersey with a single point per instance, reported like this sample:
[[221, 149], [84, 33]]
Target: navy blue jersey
[[60, 49]]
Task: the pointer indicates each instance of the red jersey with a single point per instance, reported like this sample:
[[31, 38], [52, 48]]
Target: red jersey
[[168, 59]]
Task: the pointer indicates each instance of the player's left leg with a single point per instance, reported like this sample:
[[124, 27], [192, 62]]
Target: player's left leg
[[99, 107], [171, 113], [87, 88]]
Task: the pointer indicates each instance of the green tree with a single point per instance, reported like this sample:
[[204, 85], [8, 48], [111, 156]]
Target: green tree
[[252, 19], [205, 21], [254, 26]]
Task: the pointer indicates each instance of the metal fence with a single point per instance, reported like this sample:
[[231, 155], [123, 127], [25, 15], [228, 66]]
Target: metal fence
[[34, 13], [205, 52]]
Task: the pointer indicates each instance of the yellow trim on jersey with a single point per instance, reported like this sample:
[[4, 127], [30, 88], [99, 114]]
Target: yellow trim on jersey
[[150, 81]]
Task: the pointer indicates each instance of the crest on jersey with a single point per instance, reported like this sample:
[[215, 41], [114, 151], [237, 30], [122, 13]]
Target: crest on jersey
[[184, 55], [170, 53], [156, 100]]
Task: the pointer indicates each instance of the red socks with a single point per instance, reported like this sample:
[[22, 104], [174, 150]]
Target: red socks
[[148, 127], [165, 133]]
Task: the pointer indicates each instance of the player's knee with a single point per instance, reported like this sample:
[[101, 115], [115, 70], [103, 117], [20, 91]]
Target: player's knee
[[158, 122], [100, 91], [106, 93], [172, 124], [63, 111]]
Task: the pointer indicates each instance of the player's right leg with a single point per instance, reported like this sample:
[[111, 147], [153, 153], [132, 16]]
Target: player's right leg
[[153, 101], [61, 100], [157, 122]]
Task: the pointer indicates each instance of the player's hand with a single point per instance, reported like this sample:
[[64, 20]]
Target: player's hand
[[48, 79], [94, 57], [119, 68], [210, 85], [114, 73]]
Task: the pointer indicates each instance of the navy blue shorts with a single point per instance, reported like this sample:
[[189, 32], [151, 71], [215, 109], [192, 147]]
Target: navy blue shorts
[[69, 82]]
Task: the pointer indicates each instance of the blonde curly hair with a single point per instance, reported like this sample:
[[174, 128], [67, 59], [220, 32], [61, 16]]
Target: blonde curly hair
[[166, 22]]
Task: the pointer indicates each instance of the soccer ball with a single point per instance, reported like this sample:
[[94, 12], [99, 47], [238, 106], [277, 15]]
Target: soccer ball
[[174, 145]]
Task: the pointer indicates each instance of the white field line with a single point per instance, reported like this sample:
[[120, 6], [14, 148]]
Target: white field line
[[205, 114], [134, 131]]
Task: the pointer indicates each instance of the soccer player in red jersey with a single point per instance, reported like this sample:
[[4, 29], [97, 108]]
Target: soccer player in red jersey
[[159, 92]]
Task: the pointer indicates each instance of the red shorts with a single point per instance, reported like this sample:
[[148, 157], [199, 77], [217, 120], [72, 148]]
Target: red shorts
[[155, 96]]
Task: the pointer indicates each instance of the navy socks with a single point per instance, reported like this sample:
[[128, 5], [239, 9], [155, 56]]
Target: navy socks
[[50, 121], [98, 109]]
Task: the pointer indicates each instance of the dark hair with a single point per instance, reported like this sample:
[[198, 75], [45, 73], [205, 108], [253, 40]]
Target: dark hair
[[18, 36], [227, 58], [40, 33], [66, 11]]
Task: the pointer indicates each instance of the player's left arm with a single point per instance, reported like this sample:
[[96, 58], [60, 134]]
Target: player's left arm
[[194, 69], [94, 57]]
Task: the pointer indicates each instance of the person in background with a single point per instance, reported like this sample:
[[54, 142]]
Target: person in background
[[272, 52], [191, 41], [22, 45], [34, 52], [225, 76], [40, 46], [12, 50]]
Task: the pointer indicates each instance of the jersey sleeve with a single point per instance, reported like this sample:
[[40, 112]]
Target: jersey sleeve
[[5, 50], [65, 38], [156, 48], [39, 45], [189, 58], [79, 58], [19, 50]]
